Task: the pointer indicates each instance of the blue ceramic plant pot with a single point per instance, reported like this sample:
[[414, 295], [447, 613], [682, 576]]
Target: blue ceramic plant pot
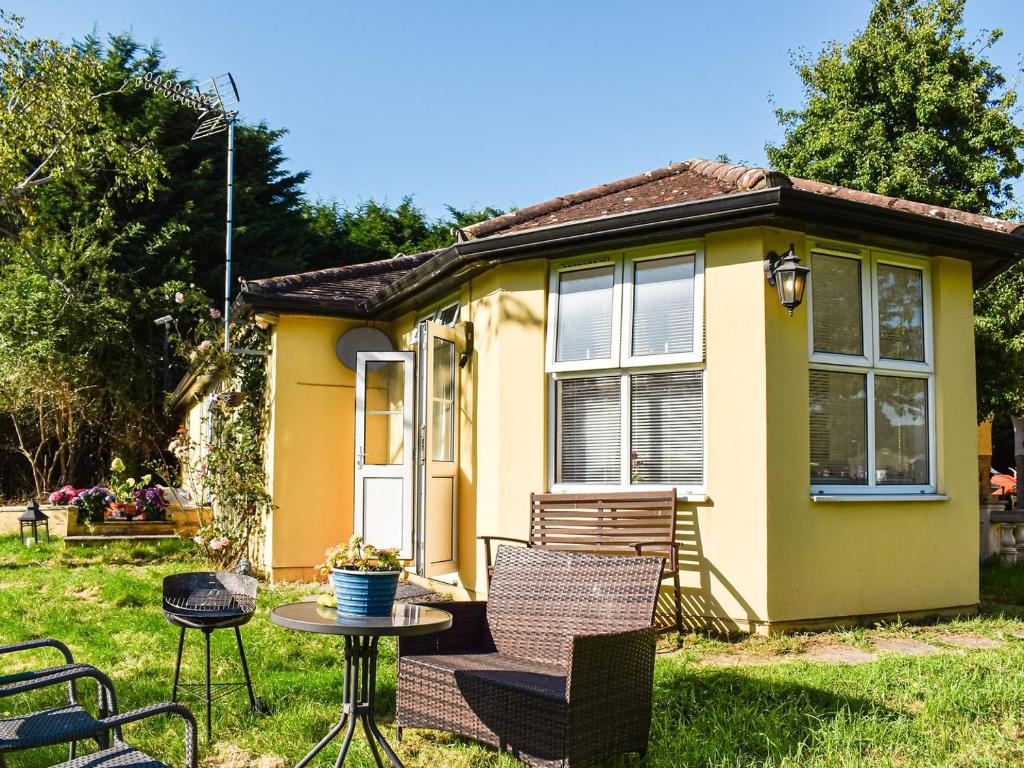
[[365, 593]]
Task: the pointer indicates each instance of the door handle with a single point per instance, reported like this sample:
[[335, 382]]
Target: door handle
[[360, 456]]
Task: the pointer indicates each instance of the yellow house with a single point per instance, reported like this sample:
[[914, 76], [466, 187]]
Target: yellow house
[[626, 337]]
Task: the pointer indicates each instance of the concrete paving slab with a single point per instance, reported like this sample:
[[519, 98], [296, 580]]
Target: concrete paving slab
[[971, 642], [904, 646]]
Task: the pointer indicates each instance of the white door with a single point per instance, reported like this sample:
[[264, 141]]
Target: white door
[[438, 459], [384, 450]]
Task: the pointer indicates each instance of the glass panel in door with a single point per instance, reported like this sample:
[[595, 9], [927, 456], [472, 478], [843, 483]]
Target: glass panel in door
[[385, 412]]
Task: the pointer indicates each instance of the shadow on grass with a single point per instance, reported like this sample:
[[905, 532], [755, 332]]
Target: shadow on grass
[[725, 717]]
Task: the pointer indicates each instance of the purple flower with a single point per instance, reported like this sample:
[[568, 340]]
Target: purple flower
[[215, 313]]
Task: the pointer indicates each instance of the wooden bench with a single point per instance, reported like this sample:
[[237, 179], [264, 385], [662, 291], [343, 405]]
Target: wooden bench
[[638, 523]]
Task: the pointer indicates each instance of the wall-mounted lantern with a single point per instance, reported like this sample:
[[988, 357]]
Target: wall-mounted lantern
[[788, 276], [31, 519]]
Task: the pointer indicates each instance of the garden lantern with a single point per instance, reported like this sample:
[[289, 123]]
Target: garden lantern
[[788, 276], [31, 519]]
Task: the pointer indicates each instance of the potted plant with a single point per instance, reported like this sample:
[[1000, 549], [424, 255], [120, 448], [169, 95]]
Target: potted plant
[[93, 503], [150, 504], [123, 488], [365, 578]]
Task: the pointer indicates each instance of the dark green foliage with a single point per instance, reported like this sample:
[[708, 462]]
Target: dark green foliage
[[911, 108], [908, 108], [100, 254]]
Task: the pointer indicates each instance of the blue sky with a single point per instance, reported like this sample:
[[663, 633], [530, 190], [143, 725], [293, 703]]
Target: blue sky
[[472, 103]]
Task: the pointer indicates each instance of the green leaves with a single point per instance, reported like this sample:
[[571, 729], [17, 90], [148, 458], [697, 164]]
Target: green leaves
[[911, 108], [51, 126], [908, 108]]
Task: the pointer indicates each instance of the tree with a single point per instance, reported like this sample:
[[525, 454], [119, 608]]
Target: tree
[[908, 108], [132, 214], [51, 123], [911, 108]]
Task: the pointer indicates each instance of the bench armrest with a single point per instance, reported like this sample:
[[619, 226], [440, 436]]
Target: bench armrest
[[488, 560], [468, 632], [672, 546], [191, 745], [614, 666], [43, 642]]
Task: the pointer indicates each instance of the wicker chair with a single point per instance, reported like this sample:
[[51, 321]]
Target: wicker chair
[[72, 723], [557, 668]]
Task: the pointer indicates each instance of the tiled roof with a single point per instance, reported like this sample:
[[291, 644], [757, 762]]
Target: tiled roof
[[354, 289], [696, 180], [341, 288]]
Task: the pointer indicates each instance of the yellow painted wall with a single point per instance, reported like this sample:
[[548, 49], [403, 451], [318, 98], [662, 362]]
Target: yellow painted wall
[[858, 559], [758, 552], [312, 443]]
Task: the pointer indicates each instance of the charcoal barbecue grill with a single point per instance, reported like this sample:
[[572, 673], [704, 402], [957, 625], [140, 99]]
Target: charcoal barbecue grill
[[208, 601]]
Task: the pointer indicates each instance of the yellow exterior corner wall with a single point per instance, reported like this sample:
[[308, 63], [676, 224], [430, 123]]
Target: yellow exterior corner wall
[[843, 562], [758, 554], [311, 444]]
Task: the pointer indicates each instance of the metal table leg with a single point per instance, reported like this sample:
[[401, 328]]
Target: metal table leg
[[360, 695]]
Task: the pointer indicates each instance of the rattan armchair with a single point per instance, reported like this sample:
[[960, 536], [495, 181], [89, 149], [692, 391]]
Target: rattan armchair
[[71, 722], [556, 668]]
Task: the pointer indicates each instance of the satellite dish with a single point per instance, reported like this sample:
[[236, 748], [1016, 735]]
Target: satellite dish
[[361, 339]]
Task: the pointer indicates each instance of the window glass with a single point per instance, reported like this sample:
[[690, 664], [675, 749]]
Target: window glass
[[663, 306], [837, 305], [588, 440], [838, 428], [901, 431], [448, 315], [384, 412], [900, 313], [584, 330], [667, 428], [442, 425]]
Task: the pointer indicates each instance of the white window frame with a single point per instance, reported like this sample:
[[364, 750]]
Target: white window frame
[[594, 364], [696, 354], [624, 365], [871, 364]]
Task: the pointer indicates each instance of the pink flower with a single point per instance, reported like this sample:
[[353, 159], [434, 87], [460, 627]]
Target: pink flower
[[215, 313], [205, 345], [179, 298], [199, 540]]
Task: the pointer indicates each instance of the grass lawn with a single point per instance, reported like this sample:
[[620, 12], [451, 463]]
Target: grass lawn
[[954, 707]]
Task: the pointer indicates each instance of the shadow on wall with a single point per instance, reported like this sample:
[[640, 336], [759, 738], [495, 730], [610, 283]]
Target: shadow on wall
[[701, 610]]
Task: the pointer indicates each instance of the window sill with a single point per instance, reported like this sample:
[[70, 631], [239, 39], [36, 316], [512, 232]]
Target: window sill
[[681, 496], [876, 497]]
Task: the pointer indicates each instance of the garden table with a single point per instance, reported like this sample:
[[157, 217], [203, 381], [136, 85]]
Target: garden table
[[361, 637]]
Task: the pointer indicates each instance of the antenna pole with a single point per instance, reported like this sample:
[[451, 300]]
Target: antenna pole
[[227, 242]]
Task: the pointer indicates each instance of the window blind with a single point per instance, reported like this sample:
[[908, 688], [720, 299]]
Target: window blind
[[838, 428], [667, 428], [837, 305], [588, 430], [584, 330], [663, 306]]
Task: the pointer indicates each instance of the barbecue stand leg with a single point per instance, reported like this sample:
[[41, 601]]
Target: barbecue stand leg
[[209, 693], [360, 695], [255, 702], [177, 665]]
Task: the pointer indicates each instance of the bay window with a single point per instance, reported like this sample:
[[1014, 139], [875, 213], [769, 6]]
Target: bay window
[[625, 357], [871, 378]]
